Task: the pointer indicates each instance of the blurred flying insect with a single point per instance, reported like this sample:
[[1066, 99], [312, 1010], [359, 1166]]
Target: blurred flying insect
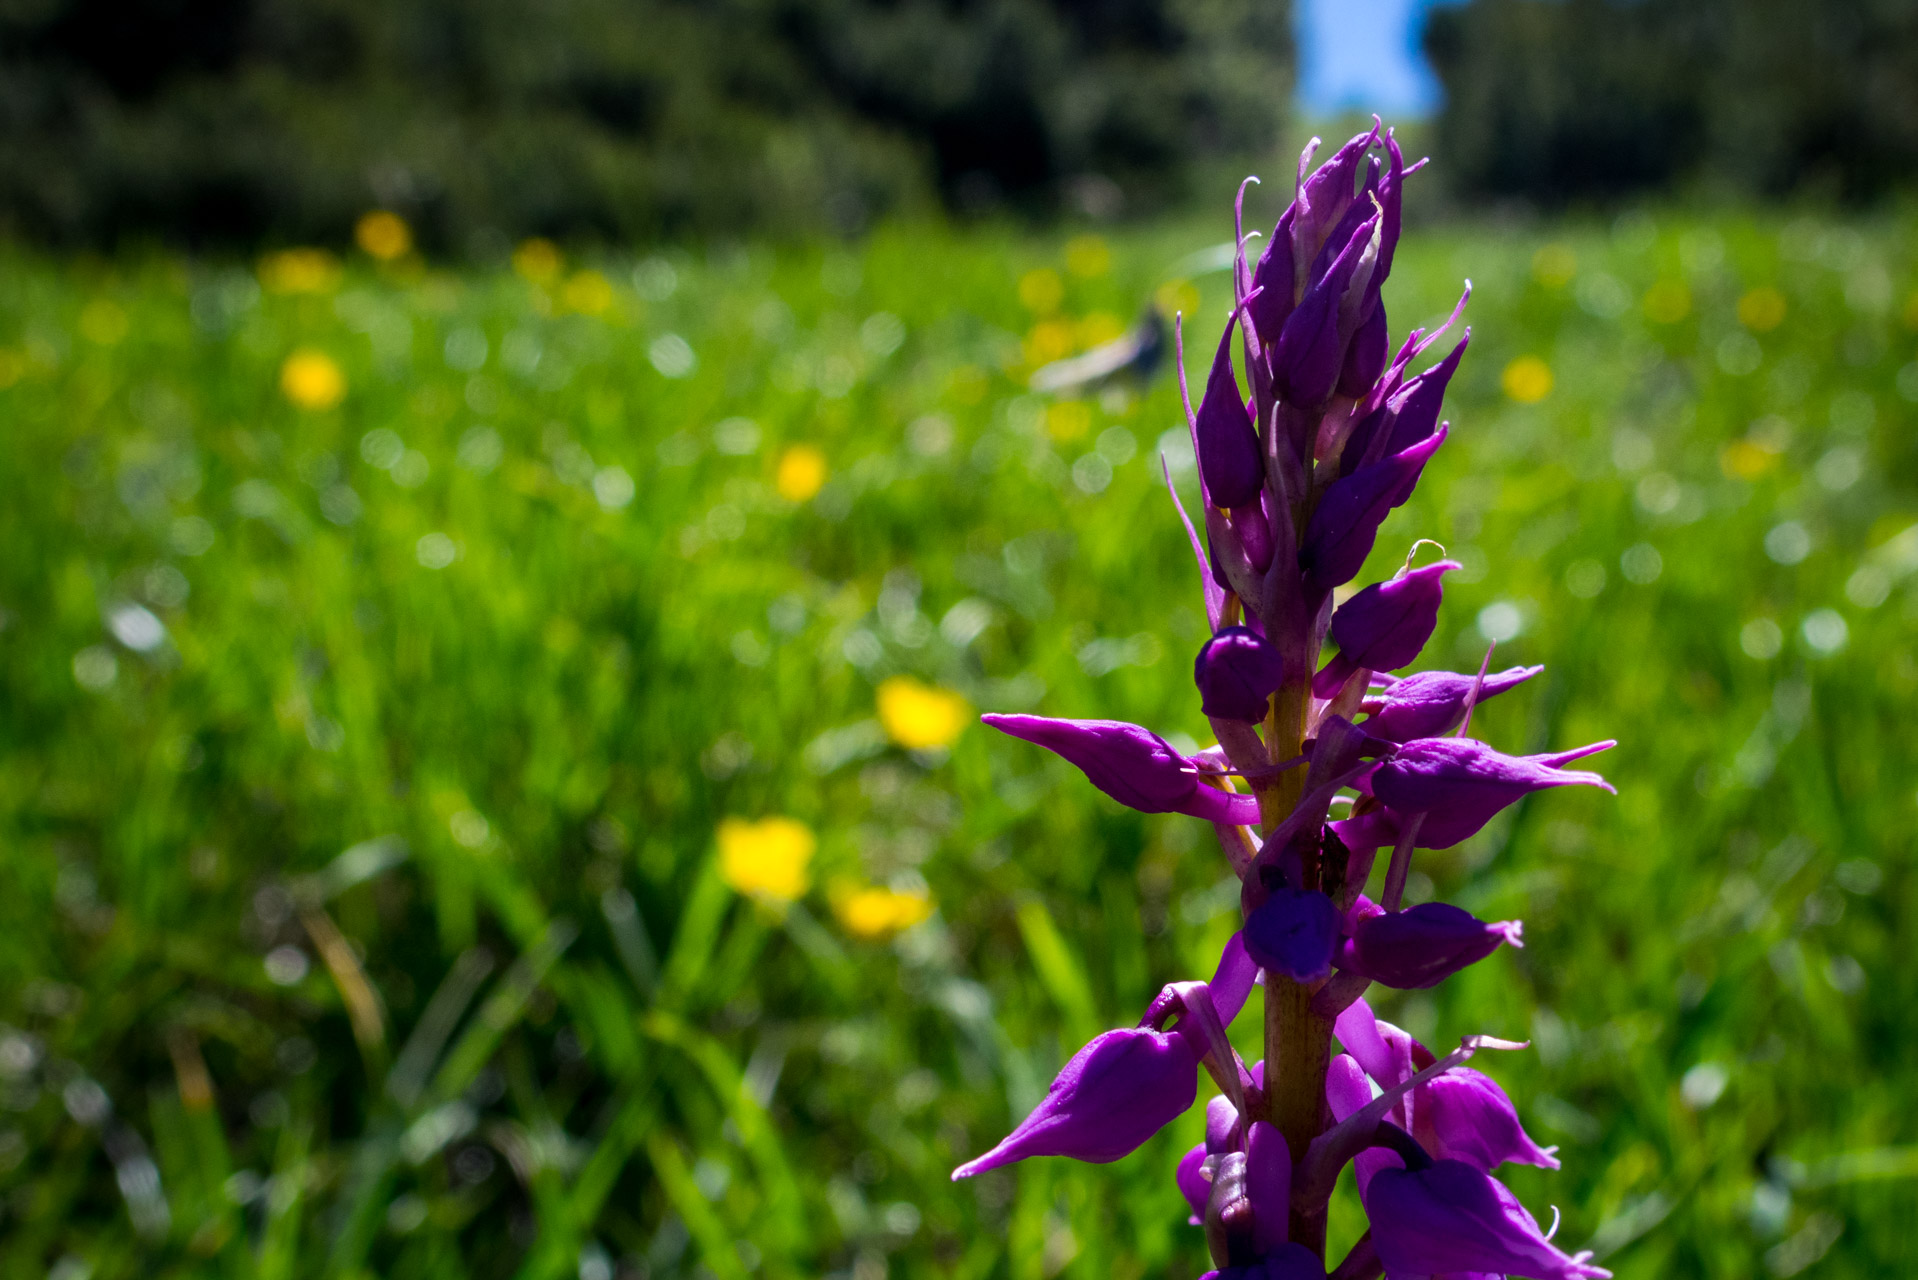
[[1137, 355]]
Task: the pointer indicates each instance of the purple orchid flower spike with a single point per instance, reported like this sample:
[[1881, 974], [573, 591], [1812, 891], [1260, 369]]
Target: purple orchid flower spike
[[1422, 945], [1431, 704], [1297, 473], [1384, 626], [1134, 766], [1448, 1217], [1460, 784], [1237, 671]]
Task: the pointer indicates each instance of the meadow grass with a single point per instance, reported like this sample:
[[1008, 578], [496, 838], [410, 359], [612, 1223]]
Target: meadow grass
[[383, 647]]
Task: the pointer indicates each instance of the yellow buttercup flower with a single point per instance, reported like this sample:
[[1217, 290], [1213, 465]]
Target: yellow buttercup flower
[[1527, 379], [1762, 310], [802, 473], [920, 716], [588, 292], [766, 859], [537, 260], [299, 271], [875, 912], [383, 234], [311, 380]]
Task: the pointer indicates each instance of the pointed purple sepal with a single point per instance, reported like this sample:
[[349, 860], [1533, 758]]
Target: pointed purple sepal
[[1134, 766], [1310, 351], [1114, 1095], [1465, 1115], [1423, 945], [1343, 527], [1460, 784], [1450, 1217], [1432, 703], [1236, 672], [1227, 438], [1384, 626], [1293, 932], [1408, 415]]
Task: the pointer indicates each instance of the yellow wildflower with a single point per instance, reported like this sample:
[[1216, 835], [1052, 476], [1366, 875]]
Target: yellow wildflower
[[1088, 256], [1762, 310], [766, 859], [1668, 302], [876, 912], [1068, 420], [588, 293], [383, 234], [311, 380], [802, 473], [920, 716], [1042, 290], [299, 271], [1527, 380], [537, 260]]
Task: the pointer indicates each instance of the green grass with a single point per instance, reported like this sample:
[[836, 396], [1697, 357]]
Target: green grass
[[374, 908]]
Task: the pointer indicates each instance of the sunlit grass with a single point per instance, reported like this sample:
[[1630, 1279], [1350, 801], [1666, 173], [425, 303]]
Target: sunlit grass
[[479, 749]]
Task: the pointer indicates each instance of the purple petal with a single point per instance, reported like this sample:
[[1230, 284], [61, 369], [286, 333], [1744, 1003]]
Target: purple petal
[[1432, 703], [1114, 1095], [1365, 357], [1451, 1217], [1193, 1184], [1293, 932], [1466, 1116], [1407, 416], [1232, 981], [1134, 766], [1385, 625], [1460, 784], [1423, 945], [1310, 351], [1227, 438], [1268, 1182], [1275, 282], [1343, 527], [1236, 672]]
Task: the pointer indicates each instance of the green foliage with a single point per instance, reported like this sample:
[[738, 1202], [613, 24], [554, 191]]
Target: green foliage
[[1591, 98], [249, 120], [366, 920]]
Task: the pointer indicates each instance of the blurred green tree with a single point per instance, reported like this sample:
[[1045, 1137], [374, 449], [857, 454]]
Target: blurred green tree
[[1587, 98], [248, 120]]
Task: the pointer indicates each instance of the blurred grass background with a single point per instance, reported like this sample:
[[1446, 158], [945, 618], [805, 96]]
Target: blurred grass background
[[384, 648]]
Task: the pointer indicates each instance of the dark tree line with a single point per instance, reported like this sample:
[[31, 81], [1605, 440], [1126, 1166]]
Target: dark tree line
[[1560, 100], [248, 120]]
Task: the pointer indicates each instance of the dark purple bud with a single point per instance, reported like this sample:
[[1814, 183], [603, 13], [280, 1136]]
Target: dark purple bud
[[1459, 784], [1275, 283], [1346, 522], [1423, 945], [1310, 351], [1236, 672], [1134, 766], [1114, 1095], [1228, 439], [1408, 415], [1464, 1115], [1328, 195], [1293, 932], [1365, 358], [1432, 703], [1451, 1217], [1384, 626]]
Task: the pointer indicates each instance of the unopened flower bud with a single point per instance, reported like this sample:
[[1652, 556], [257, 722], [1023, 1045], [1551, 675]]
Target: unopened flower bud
[[1236, 672], [1423, 945]]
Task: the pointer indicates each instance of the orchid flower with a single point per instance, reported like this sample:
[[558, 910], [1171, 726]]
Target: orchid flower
[[1296, 482]]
